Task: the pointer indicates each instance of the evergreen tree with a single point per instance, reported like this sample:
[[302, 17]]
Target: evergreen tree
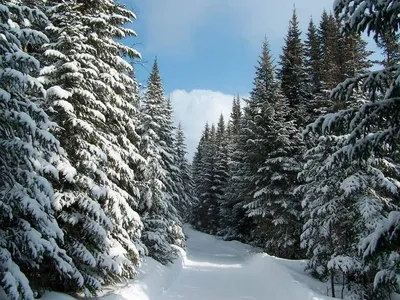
[[343, 203], [159, 193], [235, 118], [228, 215], [390, 45], [274, 201], [312, 53], [197, 165], [329, 36], [253, 134], [367, 135], [30, 238], [187, 193], [88, 96], [319, 103], [342, 55], [222, 172], [205, 213], [292, 75]]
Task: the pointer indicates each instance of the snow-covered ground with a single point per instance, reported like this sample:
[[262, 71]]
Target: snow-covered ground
[[215, 269]]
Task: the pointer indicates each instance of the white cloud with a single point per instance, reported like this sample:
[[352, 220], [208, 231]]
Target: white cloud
[[173, 25], [193, 109]]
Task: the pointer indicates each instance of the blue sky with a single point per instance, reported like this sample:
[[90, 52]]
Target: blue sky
[[207, 49]]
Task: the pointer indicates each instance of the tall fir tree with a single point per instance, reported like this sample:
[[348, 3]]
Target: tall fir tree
[[329, 36], [31, 253], [229, 211], [159, 193], [389, 42], [87, 95], [312, 60], [274, 203], [292, 74], [197, 165], [254, 134], [343, 203], [187, 193], [222, 171], [205, 213], [366, 140]]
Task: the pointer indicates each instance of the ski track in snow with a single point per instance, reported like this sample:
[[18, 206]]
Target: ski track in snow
[[213, 269]]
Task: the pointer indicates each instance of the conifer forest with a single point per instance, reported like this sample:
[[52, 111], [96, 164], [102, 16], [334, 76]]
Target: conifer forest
[[94, 174]]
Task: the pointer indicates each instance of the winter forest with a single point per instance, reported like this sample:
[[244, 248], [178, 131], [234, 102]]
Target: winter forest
[[94, 175]]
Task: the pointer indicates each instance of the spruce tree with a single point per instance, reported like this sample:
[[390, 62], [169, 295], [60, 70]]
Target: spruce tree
[[31, 241], [319, 103], [274, 202], [222, 171], [187, 192], [253, 136], [235, 118], [293, 76], [368, 134], [229, 212], [329, 36], [344, 203], [197, 165], [389, 42], [89, 94], [162, 224], [205, 213], [312, 61]]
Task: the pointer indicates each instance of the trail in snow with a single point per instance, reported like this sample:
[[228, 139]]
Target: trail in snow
[[213, 269]]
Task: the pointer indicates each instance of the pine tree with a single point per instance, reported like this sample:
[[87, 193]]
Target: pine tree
[[342, 55], [30, 238], [174, 183], [90, 95], [319, 103]]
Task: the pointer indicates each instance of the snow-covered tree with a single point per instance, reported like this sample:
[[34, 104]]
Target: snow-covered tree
[[293, 74], [274, 201], [197, 165], [363, 161], [187, 190], [343, 204], [389, 42], [31, 254], [160, 193], [205, 213], [312, 58], [229, 211], [89, 94]]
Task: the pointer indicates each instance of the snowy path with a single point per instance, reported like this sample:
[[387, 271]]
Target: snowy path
[[215, 269]]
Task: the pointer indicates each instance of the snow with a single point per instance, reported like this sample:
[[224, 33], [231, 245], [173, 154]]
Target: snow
[[215, 269], [58, 92]]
